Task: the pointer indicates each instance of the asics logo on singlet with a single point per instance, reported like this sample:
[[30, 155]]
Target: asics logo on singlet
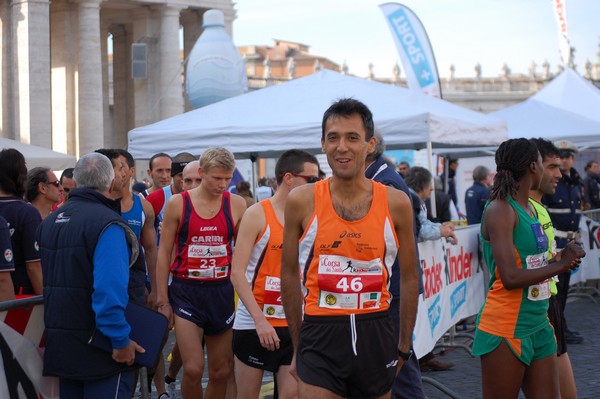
[[208, 228], [344, 234]]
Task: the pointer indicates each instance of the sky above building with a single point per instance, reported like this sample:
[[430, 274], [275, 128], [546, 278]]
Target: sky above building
[[462, 32]]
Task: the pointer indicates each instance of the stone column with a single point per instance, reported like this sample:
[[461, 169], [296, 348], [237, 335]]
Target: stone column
[[89, 82], [145, 97], [6, 90], [121, 71], [63, 42], [31, 71], [170, 83], [191, 20]]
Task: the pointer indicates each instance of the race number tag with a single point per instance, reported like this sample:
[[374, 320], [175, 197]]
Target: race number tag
[[273, 307], [347, 283], [539, 291], [207, 262]]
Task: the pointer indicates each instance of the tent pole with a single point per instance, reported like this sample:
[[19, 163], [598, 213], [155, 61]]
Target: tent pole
[[253, 159], [432, 169]]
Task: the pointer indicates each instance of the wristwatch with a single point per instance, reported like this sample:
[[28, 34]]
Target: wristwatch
[[405, 355]]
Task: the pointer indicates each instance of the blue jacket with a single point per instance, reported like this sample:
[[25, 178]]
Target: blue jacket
[[380, 172], [77, 296], [475, 198]]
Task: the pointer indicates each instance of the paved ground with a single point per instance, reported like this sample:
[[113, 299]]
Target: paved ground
[[583, 315]]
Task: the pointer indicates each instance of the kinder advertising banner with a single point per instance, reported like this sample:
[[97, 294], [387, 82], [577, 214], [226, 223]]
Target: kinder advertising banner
[[590, 265], [454, 286], [414, 48]]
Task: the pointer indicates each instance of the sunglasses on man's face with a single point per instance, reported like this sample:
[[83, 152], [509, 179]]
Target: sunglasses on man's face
[[55, 183], [309, 179]]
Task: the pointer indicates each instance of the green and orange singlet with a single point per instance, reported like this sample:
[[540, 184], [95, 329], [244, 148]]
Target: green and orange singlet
[[346, 265], [519, 312]]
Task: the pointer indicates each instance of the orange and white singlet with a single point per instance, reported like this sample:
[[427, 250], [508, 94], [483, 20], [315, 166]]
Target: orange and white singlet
[[264, 274], [346, 266]]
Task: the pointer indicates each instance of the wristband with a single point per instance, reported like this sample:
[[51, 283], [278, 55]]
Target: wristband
[[405, 355]]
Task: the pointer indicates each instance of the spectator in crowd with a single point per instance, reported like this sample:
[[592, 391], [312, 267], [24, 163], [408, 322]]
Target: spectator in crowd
[[477, 195], [243, 190], [68, 183], [591, 185], [514, 337], [23, 220], [403, 169], [191, 175], [452, 167], [564, 207], [43, 190], [443, 205], [419, 181], [264, 190], [159, 172], [159, 198], [7, 264], [86, 252], [407, 383]]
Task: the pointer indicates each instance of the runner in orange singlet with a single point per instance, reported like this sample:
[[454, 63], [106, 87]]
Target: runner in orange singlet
[[345, 233]]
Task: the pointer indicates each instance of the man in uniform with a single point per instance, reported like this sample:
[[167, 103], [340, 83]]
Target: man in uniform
[[343, 234], [563, 208]]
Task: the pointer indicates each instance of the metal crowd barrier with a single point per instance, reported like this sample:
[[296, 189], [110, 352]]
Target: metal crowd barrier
[[39, 300]]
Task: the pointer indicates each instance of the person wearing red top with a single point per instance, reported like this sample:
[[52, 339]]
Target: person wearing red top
[[199, 226]]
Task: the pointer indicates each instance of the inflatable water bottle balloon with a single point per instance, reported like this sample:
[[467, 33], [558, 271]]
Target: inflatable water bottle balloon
[[215, 69]]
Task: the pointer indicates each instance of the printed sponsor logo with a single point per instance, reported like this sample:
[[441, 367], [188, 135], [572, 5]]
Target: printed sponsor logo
[[434, 313], [330, 299], [8, 255], [207, 239], [272, 284], [208, 228], [270, 311], [230, 319], [185, 312], [458, 298], [350, 234], [334, 244]]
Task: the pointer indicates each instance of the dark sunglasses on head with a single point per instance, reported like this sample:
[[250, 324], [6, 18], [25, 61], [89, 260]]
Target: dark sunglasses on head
[[55, 183]]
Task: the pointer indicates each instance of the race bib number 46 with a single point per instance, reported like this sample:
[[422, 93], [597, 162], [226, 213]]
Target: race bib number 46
[[346, 283]]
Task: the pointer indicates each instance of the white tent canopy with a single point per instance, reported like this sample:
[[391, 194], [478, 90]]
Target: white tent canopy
[[533, 118], [266, 122], [571, 92], [39, 156]]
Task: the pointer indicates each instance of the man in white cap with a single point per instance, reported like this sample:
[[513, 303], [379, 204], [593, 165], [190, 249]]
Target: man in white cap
[[563, 207]]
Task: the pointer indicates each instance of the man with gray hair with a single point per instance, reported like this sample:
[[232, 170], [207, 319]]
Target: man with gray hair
[[86, 250], [477, 195]]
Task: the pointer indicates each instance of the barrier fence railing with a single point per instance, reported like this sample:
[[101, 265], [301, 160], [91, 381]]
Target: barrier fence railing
[[18, 314]]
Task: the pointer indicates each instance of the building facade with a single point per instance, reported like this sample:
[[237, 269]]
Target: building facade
[[59, 89]]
